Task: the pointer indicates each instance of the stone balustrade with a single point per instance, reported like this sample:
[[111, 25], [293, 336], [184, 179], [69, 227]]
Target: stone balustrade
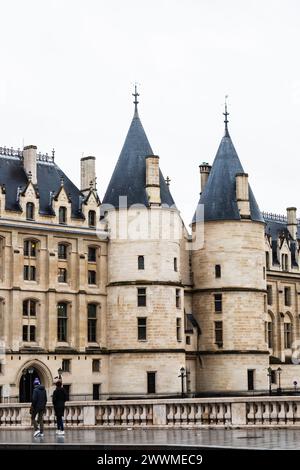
[[196, 412]]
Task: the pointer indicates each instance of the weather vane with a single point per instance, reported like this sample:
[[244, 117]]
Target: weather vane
[[226, 114], [136, 95]]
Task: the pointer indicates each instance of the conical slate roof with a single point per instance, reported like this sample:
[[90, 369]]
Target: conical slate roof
[[219, 196], [129, 176]]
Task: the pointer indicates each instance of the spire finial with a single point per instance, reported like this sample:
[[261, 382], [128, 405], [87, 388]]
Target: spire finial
[[136, 95], [226, 114], [168, 181]]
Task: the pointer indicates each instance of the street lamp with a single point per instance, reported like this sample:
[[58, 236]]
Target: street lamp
[[24, 372], [30, 372], [279, 370], [295, 383], [270, 370], [59, 371], [182, 375]]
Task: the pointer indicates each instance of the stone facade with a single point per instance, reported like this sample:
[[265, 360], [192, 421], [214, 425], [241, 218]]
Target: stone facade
[[124, 302]]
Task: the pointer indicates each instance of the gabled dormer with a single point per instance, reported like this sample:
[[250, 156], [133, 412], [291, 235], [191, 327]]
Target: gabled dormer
[[91, 208], [29, 200], [61, 205]]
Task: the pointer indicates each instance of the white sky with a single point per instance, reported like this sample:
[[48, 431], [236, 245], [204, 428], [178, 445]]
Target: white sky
[[67, 69]]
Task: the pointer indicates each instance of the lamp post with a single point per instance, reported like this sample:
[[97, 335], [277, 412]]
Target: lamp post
[[270, 370], [279, 370], [24, 372], [30, 372], [182, 376], [295, 383], [59, 371]]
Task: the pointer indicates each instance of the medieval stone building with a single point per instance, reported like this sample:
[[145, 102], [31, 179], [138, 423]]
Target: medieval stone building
[[120, 299]]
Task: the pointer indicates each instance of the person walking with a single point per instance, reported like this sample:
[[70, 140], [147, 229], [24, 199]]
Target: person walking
[[38, 408], [59, 399]]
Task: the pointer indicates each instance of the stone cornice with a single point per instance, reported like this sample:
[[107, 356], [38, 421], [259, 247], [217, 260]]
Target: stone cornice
[[231, 289]]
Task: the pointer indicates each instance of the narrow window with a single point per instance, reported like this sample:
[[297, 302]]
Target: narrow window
[[29, 273], [30, 248], [29, 308], [141, 297], [287, 335], [178, 329], [62, 251], [284, 262], [250, 378], [287, 296], [62, 321], [66, 365], [92, 218], [141, 262], [96, 391], [151, 382], [269, 294], [30, 211], [96, 365], [62, 275], [62, 215], [217, 270], [218, 303], [142, 329], [175, 265], [92, 277], [92, 323], [177, 299], [267, 260], [91, 254], [28, 333], [219, 333], [270, 334], [188, 340]]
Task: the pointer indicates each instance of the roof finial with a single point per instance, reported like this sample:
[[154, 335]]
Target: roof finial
[[226, 114], [135, 94], [168, 181]]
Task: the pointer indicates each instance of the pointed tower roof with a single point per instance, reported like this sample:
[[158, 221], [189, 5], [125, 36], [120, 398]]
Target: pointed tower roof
[[219, 195], [129, 176]]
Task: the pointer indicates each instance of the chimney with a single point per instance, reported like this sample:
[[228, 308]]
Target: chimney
[[152, 180], [29, 161], [204, 174], [87, 174], [242, 195], [292, 221]]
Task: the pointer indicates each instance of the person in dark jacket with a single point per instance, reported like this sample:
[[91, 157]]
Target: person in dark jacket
[[59, 398], [38, 408]]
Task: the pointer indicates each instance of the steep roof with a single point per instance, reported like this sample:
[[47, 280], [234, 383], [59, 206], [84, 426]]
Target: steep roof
[[129, 176], [49, 176], [219, 196]]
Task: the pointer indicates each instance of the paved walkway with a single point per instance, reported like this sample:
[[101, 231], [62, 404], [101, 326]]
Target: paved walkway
[[133, 438]]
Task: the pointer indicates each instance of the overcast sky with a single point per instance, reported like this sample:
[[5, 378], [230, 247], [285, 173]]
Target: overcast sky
[[67, 69]]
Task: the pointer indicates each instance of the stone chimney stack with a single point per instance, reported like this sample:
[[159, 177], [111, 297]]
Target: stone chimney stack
[[152, 180], [292, 221], [29, 161], [87, 174], [242, 194], [204, 174]]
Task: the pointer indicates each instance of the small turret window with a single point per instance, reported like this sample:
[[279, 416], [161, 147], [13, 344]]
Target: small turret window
[[141, 262], [218, 270], [219, 333], [218, 303], [92, 218], [30, 211], [62, 215], [175, 265]]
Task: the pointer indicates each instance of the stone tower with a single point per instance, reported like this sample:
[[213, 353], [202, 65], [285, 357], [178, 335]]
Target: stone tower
[[230, 279], [145, 312]]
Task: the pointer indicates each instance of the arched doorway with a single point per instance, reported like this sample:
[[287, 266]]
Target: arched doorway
[[26, 383]]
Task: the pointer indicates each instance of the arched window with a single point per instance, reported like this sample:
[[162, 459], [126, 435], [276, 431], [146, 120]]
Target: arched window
[[92, 323], [30, 211], [269, 333], [30, 248], [29, 308], [141, 262], [92, 218], [287, 329], [62, 321], [62, 215], [62, 251]]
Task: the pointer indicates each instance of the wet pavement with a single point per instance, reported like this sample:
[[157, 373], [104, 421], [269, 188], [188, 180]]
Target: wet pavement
[[155, 438]]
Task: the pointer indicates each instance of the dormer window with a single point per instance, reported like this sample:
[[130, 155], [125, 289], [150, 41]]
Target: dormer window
[[62, 215], [30, 211], [92, 218]]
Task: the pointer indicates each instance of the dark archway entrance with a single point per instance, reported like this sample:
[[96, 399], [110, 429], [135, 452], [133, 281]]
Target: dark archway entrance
[[26, 384]]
